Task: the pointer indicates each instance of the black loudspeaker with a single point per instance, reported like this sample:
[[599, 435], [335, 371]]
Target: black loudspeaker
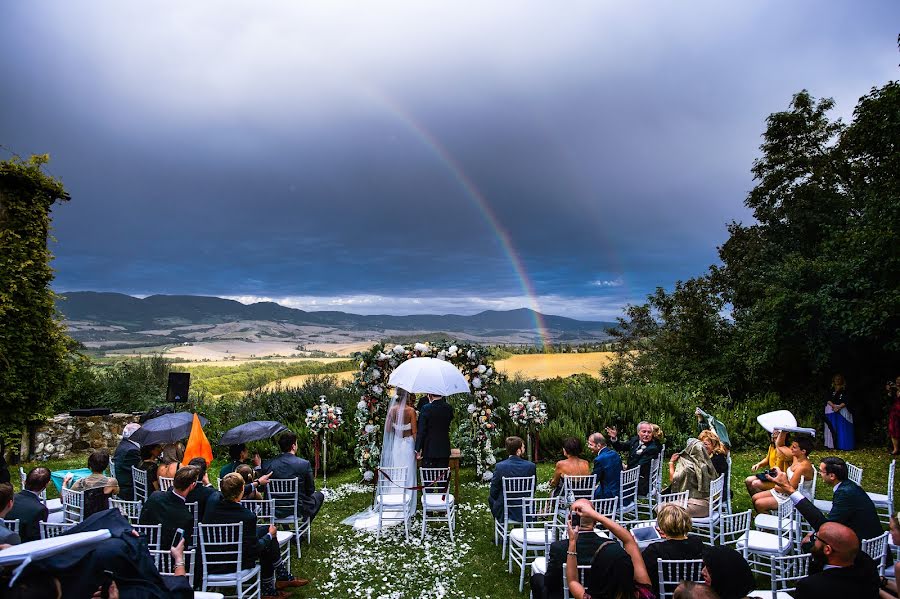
[[177, 391]]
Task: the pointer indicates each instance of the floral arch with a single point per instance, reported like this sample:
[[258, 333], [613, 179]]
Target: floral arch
[[370, 381]]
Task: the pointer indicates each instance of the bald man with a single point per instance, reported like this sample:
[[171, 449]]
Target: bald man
[[847, 572]]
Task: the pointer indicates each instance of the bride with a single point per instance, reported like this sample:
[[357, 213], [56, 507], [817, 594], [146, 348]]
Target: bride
[[397, 451]]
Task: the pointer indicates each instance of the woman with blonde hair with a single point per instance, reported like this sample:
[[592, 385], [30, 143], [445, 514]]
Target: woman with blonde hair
[[673, 523], [718, 454]]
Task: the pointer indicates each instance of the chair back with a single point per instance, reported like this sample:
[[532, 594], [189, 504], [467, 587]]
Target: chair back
[[516, 489], [73, 505], [655, 472], [890, 488], [166, 483], [786, 524], [578, 487], [263, 508], [129, 509], [54, 529], [876, 548], [166, 564], [727, 499], [152, 533], [283, 491], [393, 480], [95, 500], [538, 512], [12, 525], [787, 570], [139, 477], [195, 513], [734, 527], [222, 548], [606, 507], [628, 486], [435, 487], [582, 570], [659, 467], [554, 531], [716, 491], [680, 498], [673, 571], [854, 473]]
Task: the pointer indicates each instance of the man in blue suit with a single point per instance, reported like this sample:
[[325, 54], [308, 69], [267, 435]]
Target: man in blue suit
[[513, 466], [607, 467]]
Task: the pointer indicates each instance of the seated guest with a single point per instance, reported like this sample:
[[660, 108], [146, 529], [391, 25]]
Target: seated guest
[[573, 465], [128, 454], [693, 473], [259, 542], [800, 469], [238, 454], [889, 585], [727, 573], [98, 461], [7, 537], [616, 570], [844, 575], [773, 459], [288, 465], [550, 585], [202, 491], [717, 452], [251, 490], [607, 467], [168, 508], [150, 464], [512, 467], [28, 508], [673, 524], [170, 460], [641, 449], [850, 506], [694, 590]]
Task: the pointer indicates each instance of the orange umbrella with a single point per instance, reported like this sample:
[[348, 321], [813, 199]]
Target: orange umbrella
[[197, 446]]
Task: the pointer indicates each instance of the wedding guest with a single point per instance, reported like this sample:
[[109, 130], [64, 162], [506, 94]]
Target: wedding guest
[[28, 508], [691, 470], [513, 466], [572, 465], [673, 523], [727, 572], [288, 465], [717, 452], [800, 469], [168, 507], [127, 454], [839, 432], [98, 461], [616, 570], [694, 590], [238, 454], [7, 537], [150, 464], [607, 467], [893, 395], [170, 460], [203, 492], [889, 586], [642, 449], [250, 490], [773, 459], [550, 585]]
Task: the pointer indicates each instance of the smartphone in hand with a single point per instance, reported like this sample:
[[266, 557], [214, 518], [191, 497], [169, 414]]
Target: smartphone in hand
[[179, 535], [575, 520]]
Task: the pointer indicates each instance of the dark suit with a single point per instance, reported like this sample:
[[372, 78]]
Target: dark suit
[[127, 454], [287, 465], [163, 507], [550, 585], [29, 511], [8, 537], [513, 466], [642, 459], [859, 580], [201, 494], [433, 438], [850, 507], [255, 542]]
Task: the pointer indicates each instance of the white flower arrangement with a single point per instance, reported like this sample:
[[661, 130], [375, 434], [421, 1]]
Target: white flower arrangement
[[323, 417], [529, 411]]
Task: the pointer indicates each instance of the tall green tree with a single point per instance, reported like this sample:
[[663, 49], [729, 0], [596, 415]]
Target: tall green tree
[[33, 342]]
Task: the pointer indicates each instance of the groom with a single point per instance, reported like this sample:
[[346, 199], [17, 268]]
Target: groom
[[433, 437]]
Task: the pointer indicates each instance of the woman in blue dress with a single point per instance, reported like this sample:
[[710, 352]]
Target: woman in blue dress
[[838, 419]]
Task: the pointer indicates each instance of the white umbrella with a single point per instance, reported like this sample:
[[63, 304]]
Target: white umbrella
[[429, 375]]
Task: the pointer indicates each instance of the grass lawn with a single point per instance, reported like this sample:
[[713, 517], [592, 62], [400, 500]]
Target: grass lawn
[[345, 563]]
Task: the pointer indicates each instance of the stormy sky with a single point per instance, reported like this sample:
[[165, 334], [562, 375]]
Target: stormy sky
[[409, 157]]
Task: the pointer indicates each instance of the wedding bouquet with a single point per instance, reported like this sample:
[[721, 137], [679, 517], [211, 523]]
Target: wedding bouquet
[[529, 411], [323, 417]]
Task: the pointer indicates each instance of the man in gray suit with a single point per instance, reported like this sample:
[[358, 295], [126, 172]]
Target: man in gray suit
[[288, 465], [7, 537]]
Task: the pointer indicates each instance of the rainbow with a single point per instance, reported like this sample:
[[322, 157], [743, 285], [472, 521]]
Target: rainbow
[[474, 194]]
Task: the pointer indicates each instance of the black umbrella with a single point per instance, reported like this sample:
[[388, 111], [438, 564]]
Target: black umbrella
[[252, 431], [168, 428]]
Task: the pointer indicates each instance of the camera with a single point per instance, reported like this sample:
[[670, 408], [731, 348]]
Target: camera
[[762, 475]]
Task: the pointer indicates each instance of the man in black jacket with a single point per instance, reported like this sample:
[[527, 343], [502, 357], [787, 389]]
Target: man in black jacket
[[433, 436], [128, 454], [641, 449], [844, 574], [258, 542], [288, 465], [28, 508], [168, 508], [550, 584], [202, 492]]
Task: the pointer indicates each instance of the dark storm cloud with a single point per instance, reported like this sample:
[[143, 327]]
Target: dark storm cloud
[[344, 155]]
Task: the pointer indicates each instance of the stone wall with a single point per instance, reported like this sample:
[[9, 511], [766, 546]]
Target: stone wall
[[64, 436]]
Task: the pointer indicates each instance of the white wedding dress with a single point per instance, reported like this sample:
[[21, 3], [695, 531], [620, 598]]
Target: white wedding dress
[[397, 451]]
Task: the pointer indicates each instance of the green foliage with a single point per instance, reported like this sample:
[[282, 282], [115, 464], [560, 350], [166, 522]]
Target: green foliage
[[33, 343], [217, 380], [132, 385]]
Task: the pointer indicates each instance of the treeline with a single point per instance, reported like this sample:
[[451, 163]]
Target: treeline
[[809, 289], [504, 350], [218, 380]]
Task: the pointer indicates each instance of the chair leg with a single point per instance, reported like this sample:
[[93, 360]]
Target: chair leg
[[424, 520]]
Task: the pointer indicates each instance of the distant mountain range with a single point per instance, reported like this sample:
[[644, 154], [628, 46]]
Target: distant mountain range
[[109, 319]]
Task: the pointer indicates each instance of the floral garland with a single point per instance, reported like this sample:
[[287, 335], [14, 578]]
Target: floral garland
[[323, 417], [370, 381]]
